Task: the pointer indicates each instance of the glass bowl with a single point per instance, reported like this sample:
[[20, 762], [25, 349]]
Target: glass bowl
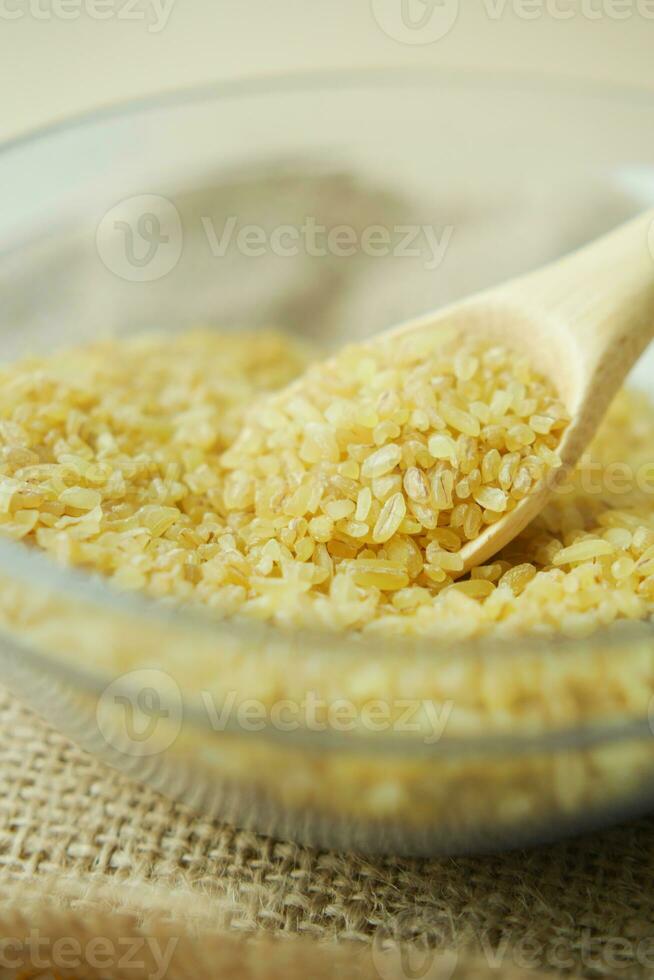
[[120, 221]]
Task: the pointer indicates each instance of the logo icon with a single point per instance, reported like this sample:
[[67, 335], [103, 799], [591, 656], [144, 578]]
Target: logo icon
[[140, 713], [140, 239], [420, 956], [416, 21]]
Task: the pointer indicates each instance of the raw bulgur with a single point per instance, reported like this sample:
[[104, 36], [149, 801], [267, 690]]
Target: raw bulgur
[[379, 465], [342, 503]]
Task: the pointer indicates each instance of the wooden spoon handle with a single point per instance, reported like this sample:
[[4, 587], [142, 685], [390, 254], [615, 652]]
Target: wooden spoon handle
[[600, 300]]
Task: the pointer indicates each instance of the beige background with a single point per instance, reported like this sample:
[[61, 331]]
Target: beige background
[[51, 67]]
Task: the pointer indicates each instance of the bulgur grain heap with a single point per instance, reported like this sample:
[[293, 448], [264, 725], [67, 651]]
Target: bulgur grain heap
[[342, 503], [383, 461], [110, 454]]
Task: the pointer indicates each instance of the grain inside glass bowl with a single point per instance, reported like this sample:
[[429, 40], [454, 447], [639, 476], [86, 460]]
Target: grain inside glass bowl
[[162, 463]]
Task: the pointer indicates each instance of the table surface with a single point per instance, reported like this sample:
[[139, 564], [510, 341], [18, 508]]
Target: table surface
[[60, 57]]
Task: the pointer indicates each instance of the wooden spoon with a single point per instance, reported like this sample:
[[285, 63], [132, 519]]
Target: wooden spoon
[[583, 322]]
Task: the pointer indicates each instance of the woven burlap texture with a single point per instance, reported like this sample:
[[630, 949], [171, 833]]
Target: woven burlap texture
[[84, 851]]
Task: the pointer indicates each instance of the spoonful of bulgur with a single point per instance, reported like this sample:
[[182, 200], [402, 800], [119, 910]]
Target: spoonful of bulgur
[[436, 442]]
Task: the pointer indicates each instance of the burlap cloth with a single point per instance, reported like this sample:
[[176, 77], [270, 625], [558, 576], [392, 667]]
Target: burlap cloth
[[85, 852]]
